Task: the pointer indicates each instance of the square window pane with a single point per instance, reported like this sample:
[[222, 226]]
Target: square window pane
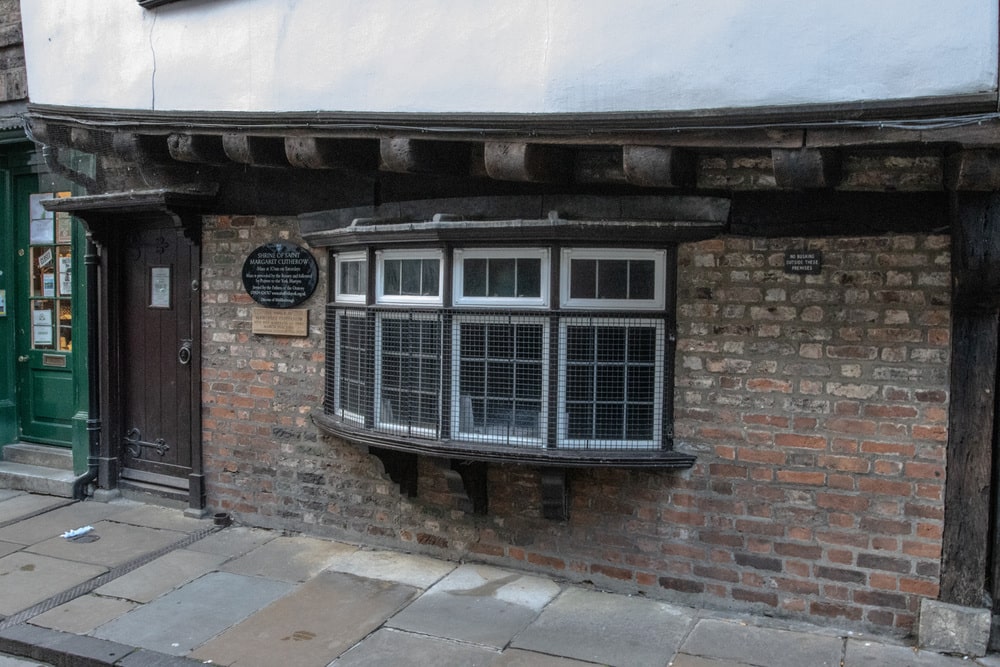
[[391, 269], [473, 343], [583, 279], [430, 270], [473, 378], [353, 277], [411, 273], [579, 343], [579, 383], [641, 279], [500, 341], [639, 422], [642, 344], [529, 341], [611, 383], [641, 383], [502, 277], [529, 277], [608, 421], [612, 280], [611, 343], [474, 277], [500, 380], [579, 420], [528, 382]]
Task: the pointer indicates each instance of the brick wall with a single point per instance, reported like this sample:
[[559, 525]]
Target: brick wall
[[817, 407]]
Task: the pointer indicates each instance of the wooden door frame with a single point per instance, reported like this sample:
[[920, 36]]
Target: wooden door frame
[[108, 219]]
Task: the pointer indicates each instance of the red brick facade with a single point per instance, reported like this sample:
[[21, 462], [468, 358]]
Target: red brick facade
[[817, 407]]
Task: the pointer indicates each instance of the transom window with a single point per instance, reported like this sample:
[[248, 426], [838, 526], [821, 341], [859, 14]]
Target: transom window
[[490, 364]]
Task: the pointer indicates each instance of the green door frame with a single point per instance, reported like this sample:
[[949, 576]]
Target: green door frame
[[20, 157]]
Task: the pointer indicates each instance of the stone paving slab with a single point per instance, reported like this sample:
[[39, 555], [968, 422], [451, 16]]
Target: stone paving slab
[[755, 645], [392, 648], [605, 628], [478, 604], [83, 615], [188, 617], [58, 521], [9, 548], [311, 625], [119, 543], [153, 516], [684, 660], [409, 569], [27, 504], [28, 579], [518, 658], [233, 541], [161, 576], [291, 559], [862, 653]]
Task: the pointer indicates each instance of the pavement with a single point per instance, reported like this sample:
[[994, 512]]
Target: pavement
[[148, 586]]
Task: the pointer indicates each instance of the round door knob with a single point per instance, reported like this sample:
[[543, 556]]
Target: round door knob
[[22, 358], [184, 354]]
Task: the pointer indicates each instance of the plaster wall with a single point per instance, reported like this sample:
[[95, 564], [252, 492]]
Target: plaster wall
[[518, 56]]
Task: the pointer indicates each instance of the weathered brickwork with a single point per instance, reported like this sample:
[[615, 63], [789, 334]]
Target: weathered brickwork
[[817, 407]]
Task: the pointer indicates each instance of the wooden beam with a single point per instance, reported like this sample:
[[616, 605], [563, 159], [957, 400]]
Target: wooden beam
[[805, 168], [976, 170], [527, 163], [413, 156], [198, 148], [658, 166], [968, 507], [255, 151], [318, 153]]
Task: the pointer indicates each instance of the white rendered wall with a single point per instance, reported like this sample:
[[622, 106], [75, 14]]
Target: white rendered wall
[[531, 56]]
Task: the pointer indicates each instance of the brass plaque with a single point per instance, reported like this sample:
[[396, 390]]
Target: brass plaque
[[280, 322]]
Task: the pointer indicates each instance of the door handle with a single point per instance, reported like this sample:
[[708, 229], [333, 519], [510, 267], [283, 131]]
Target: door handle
[[184, 354], [22, 358]]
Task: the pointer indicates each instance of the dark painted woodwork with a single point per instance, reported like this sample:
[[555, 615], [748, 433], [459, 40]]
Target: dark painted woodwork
[[531, 163], [658, 166], [137, 376], [555, 494], [830, 213], [411, 156], [976, 170], [198, 148], [346, 154], [967, 548], [805, 168], [255, 151], [967, 520]]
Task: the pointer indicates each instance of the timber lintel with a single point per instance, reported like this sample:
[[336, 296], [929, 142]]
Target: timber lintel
[[805, 168]]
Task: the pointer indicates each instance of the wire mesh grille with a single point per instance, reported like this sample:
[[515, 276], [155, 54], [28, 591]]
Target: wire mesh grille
[[555, 379]]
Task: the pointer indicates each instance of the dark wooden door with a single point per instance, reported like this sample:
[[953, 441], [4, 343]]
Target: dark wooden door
[[159, 356]]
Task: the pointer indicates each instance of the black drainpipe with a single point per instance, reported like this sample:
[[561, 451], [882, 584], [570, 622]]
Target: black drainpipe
[[91, 261]]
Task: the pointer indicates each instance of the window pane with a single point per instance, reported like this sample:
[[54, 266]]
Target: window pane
[[641, 279], [474, 277], [608, 421], [583, 279], [502, 276], [500, 380], [579, 343], [529, 277], [611, 343], [579, 421], [642, 344], [411, 274], [353, 277], [612, 280], [391, 280], [430, 270], [639, 422], [410, 373]]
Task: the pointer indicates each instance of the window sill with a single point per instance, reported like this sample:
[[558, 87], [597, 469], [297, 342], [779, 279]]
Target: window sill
[[484, 452]]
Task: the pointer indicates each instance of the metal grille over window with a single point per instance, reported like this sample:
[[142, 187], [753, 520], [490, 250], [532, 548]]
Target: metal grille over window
[[558, 380]]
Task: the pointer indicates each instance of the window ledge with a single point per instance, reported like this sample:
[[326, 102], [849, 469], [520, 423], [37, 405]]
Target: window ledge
[[484, 452]]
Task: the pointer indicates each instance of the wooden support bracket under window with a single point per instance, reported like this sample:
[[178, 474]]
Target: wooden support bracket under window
[[555, 494]]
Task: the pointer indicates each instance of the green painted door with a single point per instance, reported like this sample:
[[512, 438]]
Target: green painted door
[[44, 267]]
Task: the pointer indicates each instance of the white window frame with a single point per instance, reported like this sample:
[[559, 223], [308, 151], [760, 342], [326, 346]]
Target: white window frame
[[395, 427], [338, 370], [342, 258], [456, 398], [380, 258], [562, 427], [458, 272], [658, 256]]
